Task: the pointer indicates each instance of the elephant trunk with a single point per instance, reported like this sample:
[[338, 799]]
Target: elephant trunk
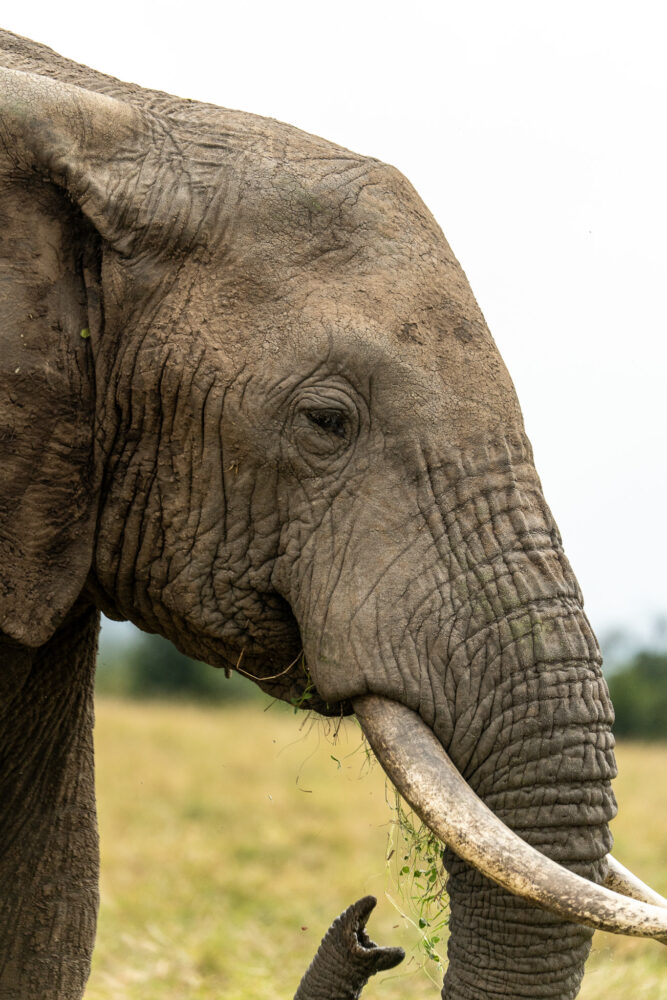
[[347, 958], [551, 785], [542, 762], [548, 777]]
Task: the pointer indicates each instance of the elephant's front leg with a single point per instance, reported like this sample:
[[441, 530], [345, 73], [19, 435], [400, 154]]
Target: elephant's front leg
[[48, 829]]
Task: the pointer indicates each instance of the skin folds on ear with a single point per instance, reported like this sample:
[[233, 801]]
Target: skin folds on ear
[[85, 142], [62, 155], [47, 482]]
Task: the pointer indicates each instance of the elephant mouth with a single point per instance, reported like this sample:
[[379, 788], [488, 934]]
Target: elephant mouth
[[420, 769], [292, 684]]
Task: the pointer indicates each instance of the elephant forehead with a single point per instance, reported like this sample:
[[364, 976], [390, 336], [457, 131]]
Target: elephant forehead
[[422, 353], [321, 210], [417, 348]]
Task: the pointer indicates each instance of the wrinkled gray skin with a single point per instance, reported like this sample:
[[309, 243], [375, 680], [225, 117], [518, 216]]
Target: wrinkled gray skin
[[289, 427], [347, 958]]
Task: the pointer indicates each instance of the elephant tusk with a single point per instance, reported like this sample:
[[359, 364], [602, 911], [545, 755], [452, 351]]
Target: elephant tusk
[[620, 879], [427, 779]]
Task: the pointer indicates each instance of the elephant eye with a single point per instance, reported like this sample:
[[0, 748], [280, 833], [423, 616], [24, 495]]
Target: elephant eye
[[331, 421]]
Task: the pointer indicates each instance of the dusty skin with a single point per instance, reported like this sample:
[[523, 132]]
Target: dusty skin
[[248, 401]]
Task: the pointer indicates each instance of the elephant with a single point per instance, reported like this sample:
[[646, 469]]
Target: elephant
[[249, 402]]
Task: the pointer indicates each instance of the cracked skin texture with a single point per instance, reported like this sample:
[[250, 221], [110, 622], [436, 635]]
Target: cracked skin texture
[[288, 429]]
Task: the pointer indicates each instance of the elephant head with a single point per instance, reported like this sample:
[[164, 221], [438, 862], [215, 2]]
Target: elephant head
[[249, 402]]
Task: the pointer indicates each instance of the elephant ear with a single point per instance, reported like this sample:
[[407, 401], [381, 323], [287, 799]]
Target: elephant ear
[[66, 156]]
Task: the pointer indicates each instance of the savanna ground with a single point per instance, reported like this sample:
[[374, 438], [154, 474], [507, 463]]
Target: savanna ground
[[231, 837]]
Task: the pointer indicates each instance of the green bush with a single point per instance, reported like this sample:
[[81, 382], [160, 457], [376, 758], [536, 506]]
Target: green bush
[[639, 694], [148, 666]]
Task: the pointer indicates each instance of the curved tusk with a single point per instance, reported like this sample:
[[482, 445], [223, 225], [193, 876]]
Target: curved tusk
[[620, 879], [426, 778]]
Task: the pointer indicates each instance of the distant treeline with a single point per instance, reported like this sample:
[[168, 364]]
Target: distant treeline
[[150, 667], [639, 693], [147, 666]]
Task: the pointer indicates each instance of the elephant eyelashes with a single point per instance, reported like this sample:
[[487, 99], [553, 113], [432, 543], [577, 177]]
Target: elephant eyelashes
[[331, 421]]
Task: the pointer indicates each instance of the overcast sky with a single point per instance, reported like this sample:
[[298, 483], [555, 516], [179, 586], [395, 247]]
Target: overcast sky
[[536, 133]]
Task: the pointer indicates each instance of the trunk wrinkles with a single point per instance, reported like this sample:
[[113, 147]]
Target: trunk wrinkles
[[543, 762], [524, 714], [347, 958]]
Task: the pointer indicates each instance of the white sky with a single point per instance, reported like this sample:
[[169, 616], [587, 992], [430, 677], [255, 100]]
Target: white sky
[[536, 133]]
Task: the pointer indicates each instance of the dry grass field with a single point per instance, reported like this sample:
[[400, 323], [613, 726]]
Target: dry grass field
[[231, 837]]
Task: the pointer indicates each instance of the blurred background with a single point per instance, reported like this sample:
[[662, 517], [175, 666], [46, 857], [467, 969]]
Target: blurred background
[[232, 833]]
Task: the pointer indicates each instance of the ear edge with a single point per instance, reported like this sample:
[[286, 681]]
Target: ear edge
[[83, 141], [48, 491]]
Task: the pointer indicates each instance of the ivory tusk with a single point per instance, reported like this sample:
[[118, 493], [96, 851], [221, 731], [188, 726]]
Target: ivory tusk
[[621, 879], [427, 779]]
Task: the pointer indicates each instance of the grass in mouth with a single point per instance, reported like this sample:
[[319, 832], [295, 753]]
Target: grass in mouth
[[415, 868], [414, 863]]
